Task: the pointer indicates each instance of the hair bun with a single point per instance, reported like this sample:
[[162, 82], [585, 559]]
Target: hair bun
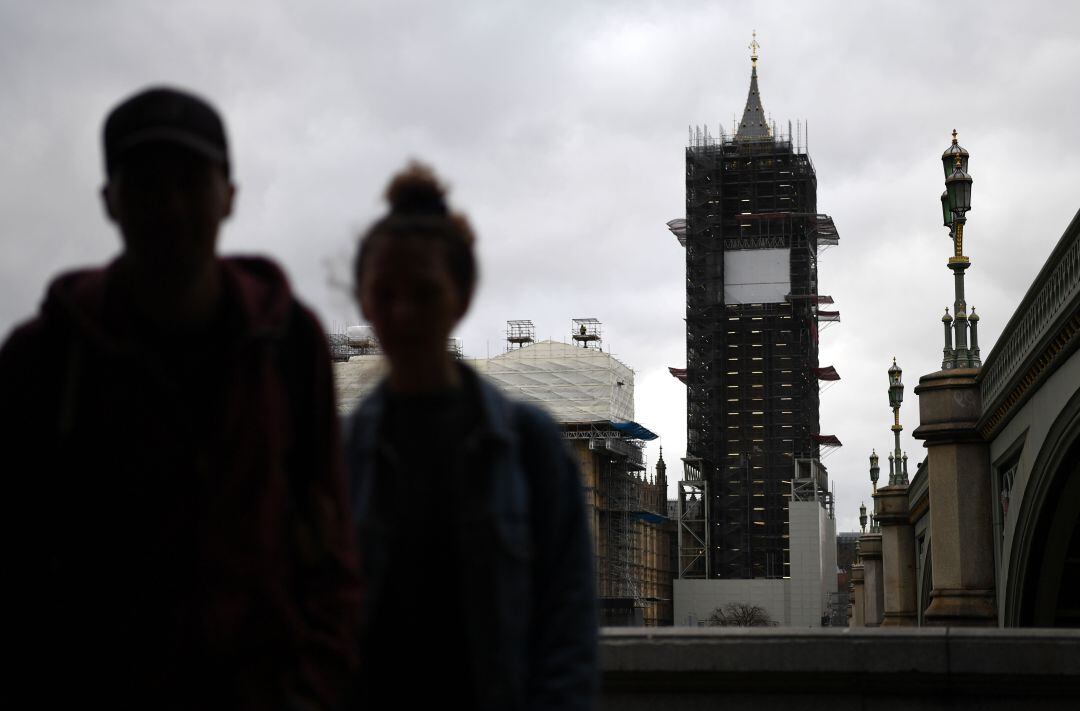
[[416, 191]]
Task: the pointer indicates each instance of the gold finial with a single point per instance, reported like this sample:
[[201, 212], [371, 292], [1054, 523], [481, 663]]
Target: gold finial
[[754, 48], [954, 136]]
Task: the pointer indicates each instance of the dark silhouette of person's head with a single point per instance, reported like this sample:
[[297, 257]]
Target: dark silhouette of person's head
[[168, 184], [415, 270]]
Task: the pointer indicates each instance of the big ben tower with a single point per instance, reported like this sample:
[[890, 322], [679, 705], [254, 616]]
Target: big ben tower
[[752, 235]]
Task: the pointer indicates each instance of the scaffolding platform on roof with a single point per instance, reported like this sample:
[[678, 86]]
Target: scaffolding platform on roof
[[353, 341], [519, 333], [587, 332]]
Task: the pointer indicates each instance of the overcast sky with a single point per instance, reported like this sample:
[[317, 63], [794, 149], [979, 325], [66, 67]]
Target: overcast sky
[[561, 127]]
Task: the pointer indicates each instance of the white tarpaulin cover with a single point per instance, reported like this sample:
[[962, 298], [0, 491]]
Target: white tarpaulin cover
[[572, 384], [756, 276]]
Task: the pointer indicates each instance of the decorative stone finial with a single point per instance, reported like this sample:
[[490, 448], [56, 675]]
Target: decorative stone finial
[[973, 324]]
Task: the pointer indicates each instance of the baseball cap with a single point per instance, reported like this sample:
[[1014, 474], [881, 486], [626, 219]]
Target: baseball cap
[[164, 115]]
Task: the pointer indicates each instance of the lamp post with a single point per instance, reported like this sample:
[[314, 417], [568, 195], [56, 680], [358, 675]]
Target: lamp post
[[955, 204], [897, 462], [874, 468], [862, 517]]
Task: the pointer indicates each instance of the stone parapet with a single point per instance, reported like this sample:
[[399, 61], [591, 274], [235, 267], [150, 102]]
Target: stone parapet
[[873, 579], [870, 546], [949, 406], [960, 499], [891, 505], [839, 669], [858, 615], [897, 556]]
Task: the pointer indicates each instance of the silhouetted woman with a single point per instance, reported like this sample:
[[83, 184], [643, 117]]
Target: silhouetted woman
[[468, 508]]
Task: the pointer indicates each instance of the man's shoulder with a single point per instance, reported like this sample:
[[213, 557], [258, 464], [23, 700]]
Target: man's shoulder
[[267, 301], [26, 343], [304, 325], [64, 295], [58, 316], [34, 360]]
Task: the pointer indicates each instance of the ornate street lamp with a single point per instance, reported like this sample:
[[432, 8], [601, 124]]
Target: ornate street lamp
[[896, 387], [951, 154], [897, 462], [955, 204], [874, 468], [958, 189], [954, 151], [862, 517]]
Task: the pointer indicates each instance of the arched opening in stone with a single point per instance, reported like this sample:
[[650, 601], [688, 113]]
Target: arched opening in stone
[[1049, 578]]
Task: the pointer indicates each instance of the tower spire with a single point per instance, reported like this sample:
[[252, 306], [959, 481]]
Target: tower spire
[[753, 126]]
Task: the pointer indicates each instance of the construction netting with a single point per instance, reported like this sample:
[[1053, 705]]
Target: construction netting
[[573, 384]]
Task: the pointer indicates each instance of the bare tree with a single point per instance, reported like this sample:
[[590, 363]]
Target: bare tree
[[740, 614]]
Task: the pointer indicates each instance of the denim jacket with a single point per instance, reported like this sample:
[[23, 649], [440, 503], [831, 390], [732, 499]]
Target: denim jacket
[[528, 587]]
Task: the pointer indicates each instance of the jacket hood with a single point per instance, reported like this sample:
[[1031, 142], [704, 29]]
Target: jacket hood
[[255, 290]]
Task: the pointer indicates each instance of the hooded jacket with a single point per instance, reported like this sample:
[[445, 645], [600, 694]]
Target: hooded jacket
[[179, 530]]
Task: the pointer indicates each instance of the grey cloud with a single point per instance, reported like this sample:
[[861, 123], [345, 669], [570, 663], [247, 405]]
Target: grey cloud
[[561, 129]]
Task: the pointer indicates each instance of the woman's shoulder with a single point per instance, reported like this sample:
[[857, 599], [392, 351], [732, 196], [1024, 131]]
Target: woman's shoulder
[[499, 407], [360, 426]]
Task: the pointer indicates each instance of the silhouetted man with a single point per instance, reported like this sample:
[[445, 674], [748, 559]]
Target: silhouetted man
[[180, 536]]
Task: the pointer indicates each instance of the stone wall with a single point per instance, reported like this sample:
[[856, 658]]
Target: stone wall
[[839, 669]]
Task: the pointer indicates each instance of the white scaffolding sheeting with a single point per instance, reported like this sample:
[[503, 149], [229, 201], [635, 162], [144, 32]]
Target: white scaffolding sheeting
[[572, 384], [356, 378]]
